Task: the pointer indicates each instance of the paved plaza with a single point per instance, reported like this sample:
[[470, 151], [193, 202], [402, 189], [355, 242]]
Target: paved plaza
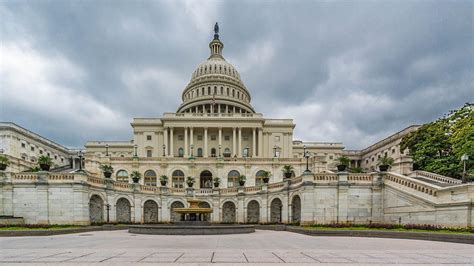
[[261, 247]]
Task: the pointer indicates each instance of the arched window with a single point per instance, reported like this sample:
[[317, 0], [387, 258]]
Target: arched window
[[150, 178], [258, 178], [122, 176], [233, 178], [180, 152], [199, 152], [177, 179], [227, 152], [213, 152]]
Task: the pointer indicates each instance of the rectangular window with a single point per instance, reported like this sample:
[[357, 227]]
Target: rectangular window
[[180, 137], [330, 157], [148, 137], [23, 145], [23, 157], [41, 152], [62, 160], [49, 154], [393, 151], [367, 161], [148, 153], [227, 138], [55, 157], [213, 137], [32, 148], [199, 137]]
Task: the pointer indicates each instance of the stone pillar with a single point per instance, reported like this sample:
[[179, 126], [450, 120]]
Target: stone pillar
[[6, 194], [260, 142], [191, 136], [240, 209], [205, 142], [377, 197], [240, 143], [165, 140], [234, 145], [307, 199], [342, 198], [165, 210], [171, 142], [185, 142], [220, 140], [254, 144]]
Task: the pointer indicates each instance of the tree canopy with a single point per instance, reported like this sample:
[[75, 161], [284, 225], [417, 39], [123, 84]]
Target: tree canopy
[[438, 146]]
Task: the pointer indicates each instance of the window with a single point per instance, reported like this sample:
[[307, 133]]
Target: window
[[149, 153], [393, 151], [181, 152], [199, 152], [372, 159], [213, 152], [23, 145], [41, 152], [259, 178], [177, 179], [48, 154], [55, 157], [199, 137], [122, 176], [330, 157], [213, 137], [227, 152], [62, 160], [32, 148], [385, 154], [148, 137], [378, 156], [367, 161], [150, 178], [233, 178], [180, 137], [227, 138]]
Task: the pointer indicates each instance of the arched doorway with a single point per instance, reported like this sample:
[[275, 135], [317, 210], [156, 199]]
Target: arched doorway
[[228, 212], [207, 216], [96, 209], [296, 209], [176, 217], [275, 211], [123, 211], [206, 179], [253, 212], [150, 212]]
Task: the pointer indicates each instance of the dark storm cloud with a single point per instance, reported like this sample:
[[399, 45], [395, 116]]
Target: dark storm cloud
[[351, 72]]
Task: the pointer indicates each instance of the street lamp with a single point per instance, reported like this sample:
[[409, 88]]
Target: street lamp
[[275, 151], [80, 155], [106, 149], [164, 150], [464, 159], [192, 150], [306, 155], [135, 148], [220, 147], [108, 210]]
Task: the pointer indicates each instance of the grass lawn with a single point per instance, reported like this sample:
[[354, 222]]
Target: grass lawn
[[383, 229]]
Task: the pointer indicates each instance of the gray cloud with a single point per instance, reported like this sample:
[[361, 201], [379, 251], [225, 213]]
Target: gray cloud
[[351, 72]]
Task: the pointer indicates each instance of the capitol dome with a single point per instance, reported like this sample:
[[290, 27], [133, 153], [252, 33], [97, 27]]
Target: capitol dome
[[215, 86]]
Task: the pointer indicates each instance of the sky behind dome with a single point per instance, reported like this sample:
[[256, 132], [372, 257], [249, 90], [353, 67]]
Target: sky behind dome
[[345, 71]]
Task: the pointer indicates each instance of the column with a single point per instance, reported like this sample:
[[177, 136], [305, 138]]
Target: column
[[254, 144], [171, 143], [220, 138], [165, 140], [234, 146], [212, 108], [185, 142], [205, 142], [191, 136], [219, 108], [240, 143], [260, 142]]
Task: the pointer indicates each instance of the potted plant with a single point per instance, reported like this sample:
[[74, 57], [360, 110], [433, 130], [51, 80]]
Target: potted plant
[[107, 170], [4, 162], [287, 170], [266, 176], [242, 180], [344, 162], [45, 162], [163, 180], [190, 181], [384, 163], [217, 182], [135, 175]]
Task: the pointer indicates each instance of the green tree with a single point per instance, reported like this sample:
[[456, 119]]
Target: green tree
[[438, 146]]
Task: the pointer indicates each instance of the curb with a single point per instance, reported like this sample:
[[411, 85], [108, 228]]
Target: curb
[[46, 232], [442, 237]]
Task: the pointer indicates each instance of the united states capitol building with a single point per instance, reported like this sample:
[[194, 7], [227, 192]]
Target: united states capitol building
[[216, 132]]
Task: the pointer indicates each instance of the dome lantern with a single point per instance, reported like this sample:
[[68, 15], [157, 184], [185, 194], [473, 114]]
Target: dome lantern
[[216, 45]]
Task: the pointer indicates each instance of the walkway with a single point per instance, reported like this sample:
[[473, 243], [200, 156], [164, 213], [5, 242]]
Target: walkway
[[112, 247]]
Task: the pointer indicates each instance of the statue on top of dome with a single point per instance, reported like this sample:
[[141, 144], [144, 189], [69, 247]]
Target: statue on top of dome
[[216, 31]]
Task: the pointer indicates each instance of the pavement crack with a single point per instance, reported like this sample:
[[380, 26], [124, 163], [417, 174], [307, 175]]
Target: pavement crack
[[245, 257], [178, 257], [278, 257]]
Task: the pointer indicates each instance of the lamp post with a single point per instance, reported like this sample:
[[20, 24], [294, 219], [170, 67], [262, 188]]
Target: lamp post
[[192, 150], [464, 159], [220, 147], [135, 148], [275, 151], [80, 155], [106, 149], [107, 207], [306, 155], [246, 151], [164, 150]]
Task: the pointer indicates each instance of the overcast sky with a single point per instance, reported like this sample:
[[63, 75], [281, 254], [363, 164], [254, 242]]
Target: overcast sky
[[348, 72]]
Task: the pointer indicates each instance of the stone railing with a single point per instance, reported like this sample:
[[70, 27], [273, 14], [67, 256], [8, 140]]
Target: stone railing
[[276, 185], [123, 186], [325, 177], [96, 180], [356, 178], [231, 190], [149, 189], [252, 189], [204, 191], [25, 177], [439, 178], [177, 190], [413, 184]]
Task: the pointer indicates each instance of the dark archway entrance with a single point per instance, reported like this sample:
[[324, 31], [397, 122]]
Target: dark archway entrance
[[206, 179], [296, 209]]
